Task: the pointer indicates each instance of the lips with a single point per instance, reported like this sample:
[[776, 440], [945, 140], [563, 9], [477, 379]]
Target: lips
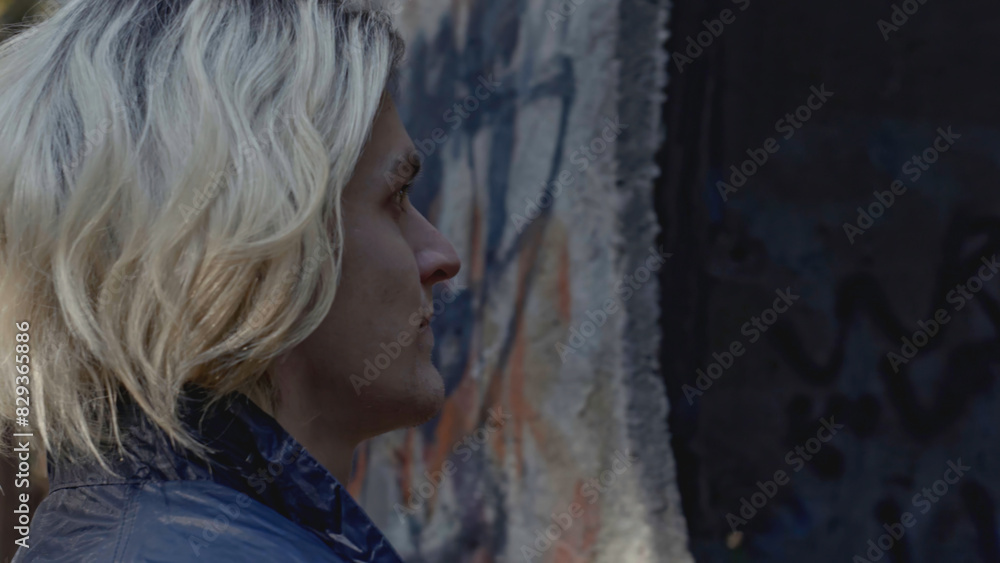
[[425, 340]]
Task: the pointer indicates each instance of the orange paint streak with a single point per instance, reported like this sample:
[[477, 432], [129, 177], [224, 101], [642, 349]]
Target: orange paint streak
[[493, 397], [564, 552], [578, 542], [518, 401], [521, 407], [453, 425], [591, 518], [478, 256], [405, 461], [538, 426], [564, 288], [482, 555], [357, 480], [499, 443]]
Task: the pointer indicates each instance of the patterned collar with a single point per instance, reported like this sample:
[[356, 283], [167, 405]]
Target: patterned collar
[[252, 454]]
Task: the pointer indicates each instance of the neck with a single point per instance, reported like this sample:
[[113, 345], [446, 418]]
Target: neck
[[334, 451]]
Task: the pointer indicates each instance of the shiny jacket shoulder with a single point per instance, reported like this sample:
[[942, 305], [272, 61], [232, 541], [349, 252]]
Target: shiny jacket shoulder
[[260, 497]]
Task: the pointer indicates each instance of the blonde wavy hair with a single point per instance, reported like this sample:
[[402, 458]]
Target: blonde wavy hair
[[170, 200]]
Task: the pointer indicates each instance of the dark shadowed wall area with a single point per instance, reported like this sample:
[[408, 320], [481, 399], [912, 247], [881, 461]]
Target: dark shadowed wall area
[[906, 420]]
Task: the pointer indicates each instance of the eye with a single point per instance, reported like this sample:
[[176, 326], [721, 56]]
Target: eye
[[403, 194]]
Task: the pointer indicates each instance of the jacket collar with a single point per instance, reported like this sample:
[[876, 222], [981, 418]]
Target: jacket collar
[[252, 454]]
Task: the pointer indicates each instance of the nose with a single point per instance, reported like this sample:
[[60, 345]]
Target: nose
[[437, 259]]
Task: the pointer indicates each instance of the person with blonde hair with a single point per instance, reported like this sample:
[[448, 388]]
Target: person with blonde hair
[[205, 237]]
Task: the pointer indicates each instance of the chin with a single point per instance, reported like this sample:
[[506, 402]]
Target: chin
[[428, 400], [415, 402]]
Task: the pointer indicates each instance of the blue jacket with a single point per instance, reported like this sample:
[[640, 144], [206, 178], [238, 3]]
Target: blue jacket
[[261, 497]]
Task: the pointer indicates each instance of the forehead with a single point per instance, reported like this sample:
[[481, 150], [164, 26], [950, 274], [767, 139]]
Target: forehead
[[389, 128]]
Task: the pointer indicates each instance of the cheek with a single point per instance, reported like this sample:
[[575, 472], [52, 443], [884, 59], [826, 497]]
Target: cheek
[[375, 247], [379, 276], [379, 292]]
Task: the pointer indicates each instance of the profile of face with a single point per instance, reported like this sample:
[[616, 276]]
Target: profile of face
[[367, 368]]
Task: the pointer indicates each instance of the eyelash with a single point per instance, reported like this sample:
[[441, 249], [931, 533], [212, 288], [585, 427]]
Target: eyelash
[[403, 193]]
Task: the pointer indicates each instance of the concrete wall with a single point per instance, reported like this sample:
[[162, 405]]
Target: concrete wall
[[540, 330]]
